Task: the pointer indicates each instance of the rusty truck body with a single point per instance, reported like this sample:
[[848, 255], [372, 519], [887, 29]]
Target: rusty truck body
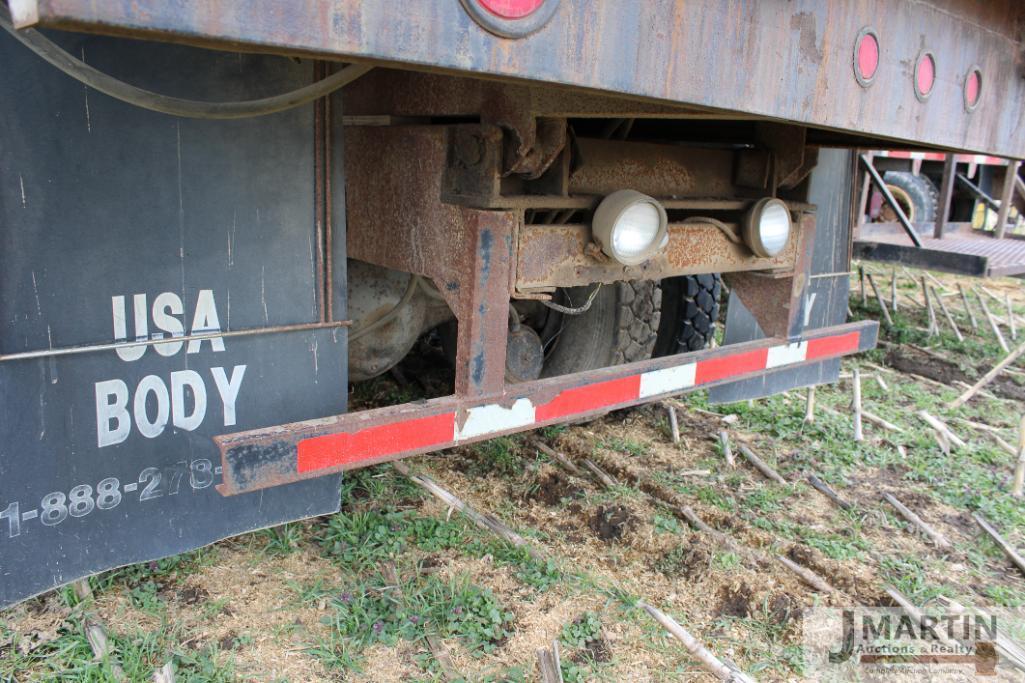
[[216, 215]]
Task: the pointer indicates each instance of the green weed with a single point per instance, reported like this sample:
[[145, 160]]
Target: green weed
[[582, 630]]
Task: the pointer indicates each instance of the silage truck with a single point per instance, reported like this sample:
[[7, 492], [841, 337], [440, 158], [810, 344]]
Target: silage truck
[[217, 215]]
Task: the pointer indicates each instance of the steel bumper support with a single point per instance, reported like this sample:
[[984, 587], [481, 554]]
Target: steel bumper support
[[272, 456]]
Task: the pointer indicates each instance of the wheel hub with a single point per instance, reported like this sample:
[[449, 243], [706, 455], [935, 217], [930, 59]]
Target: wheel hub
[[524, 355]]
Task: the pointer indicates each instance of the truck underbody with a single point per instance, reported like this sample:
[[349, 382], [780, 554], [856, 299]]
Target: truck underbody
[[460, 178]]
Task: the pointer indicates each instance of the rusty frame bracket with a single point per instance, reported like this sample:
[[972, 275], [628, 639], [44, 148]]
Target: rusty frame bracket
[[777, 300], [396, 219], [482, 303]]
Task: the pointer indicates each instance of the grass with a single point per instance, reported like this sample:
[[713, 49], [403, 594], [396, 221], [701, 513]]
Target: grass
[[767, 499], [584, 629], [629, 446], [377, 612], [714, 495], [581, 638], [726, 561], [667, 524], [497, 456], [69, 657], [282, 540]]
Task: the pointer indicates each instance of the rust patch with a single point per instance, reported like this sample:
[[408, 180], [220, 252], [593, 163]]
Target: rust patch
[[808, 44]]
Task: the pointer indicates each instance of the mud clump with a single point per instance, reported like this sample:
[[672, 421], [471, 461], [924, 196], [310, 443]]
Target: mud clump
[[551, 490], [689, 561], [228, 642], [598, 650], [926, 366], [802, 555], [947, 373], [612, 522], [192, 595], [735, 601], [782, 608]]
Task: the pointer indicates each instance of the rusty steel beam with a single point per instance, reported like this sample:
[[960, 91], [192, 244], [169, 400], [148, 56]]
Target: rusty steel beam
[[946, 195], [654, 169], [394, 216], [789, 60], [396, 219], [412, 94], [1006, 198], [482, 308], [303, 450], [557, 256]]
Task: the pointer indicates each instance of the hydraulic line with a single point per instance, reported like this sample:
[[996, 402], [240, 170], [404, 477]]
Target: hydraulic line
[[574, 311], [361, 328], [724, 228]]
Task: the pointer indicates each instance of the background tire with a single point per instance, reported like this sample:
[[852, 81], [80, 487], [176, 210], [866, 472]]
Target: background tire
[[690, 311], [918, 190]]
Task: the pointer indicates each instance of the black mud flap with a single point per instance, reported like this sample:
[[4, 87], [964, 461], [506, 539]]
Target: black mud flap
[[825, 298], [118, 223]]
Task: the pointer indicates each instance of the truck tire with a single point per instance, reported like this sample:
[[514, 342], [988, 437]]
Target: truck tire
[[916, 194], [621, 326], [690, 309]]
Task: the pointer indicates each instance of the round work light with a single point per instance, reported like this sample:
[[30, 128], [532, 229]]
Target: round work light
[[767, 227], [630, 227]]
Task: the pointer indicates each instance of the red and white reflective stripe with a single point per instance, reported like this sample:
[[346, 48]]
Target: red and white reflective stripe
[[419, 433], [928, 156], [335, 450], [939, 156]]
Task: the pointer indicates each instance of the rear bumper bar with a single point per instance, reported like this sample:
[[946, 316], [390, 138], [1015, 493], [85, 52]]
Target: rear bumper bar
[[303, 450]]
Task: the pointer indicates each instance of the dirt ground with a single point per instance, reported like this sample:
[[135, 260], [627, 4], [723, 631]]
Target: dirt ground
[[396, 587]]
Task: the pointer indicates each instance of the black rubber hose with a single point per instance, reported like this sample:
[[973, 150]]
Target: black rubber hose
[[193, 109]]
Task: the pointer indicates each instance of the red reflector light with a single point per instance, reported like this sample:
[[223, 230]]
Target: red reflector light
[[925, 75], [866, 56], [511, 9], [511, 18], [972, 89]]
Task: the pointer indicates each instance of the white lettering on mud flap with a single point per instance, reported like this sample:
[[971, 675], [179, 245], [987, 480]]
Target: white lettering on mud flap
[[182, 399], [809, 303]]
